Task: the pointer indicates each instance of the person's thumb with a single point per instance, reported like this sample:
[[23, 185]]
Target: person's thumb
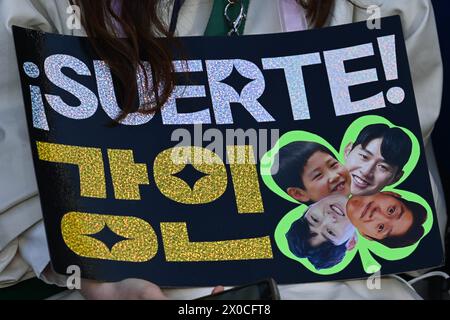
[[218, 289]]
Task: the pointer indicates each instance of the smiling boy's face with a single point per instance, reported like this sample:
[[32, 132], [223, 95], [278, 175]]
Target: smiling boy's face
[[322, 176], [368, 169]]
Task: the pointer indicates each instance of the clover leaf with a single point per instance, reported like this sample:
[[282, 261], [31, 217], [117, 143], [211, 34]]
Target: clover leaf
[[366, 248]]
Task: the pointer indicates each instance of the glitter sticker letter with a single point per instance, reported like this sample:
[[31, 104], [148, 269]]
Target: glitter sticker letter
[[108, 98], [245, 179], [170, 114], [88, 100], [293, 69], [126, 174], [207, 189], [136, 239], [88, 160], [178, 247], [222, 94], [340, 80]]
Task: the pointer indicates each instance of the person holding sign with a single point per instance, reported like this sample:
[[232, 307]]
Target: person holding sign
[[23, 247]]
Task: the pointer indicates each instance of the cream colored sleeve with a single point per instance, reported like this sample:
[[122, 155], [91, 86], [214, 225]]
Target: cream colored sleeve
[[23, 246], [424, 55], [425, 59]]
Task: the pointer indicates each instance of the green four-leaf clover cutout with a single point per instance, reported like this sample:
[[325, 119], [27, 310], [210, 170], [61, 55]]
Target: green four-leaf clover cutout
[[366, 248]]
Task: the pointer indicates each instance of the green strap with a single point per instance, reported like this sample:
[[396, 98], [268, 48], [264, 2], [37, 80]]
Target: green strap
[[217, 24]]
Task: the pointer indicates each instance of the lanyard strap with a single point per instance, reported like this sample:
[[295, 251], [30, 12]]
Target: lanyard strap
[[292, 16], [221, 21], [175, 14]]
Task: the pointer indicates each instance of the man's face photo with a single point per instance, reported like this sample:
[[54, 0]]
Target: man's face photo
[[328, 221], [376, 158], [369, 170], [380, 216]]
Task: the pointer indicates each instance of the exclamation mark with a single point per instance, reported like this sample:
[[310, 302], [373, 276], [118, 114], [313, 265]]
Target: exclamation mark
[[395, 95]]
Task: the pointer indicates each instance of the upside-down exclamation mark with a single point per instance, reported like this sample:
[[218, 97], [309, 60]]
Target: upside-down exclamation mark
[[37, 104]]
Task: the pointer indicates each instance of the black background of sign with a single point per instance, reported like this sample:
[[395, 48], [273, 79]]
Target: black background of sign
[[218, 220]]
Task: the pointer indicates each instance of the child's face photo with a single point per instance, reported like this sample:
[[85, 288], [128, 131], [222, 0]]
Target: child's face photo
[[322, 176], [379, 216], [328, 221], [369, 171]]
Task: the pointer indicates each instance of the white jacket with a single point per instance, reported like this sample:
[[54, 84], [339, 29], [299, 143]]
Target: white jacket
[[23, 247]]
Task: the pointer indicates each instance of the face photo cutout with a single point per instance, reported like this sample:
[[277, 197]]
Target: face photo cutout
[[309, 171], [376, 158], [324, 233], [387, 218], [324, 237]]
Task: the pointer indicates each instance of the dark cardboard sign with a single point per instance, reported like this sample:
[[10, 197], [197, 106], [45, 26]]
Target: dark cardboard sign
[[296, 156]]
